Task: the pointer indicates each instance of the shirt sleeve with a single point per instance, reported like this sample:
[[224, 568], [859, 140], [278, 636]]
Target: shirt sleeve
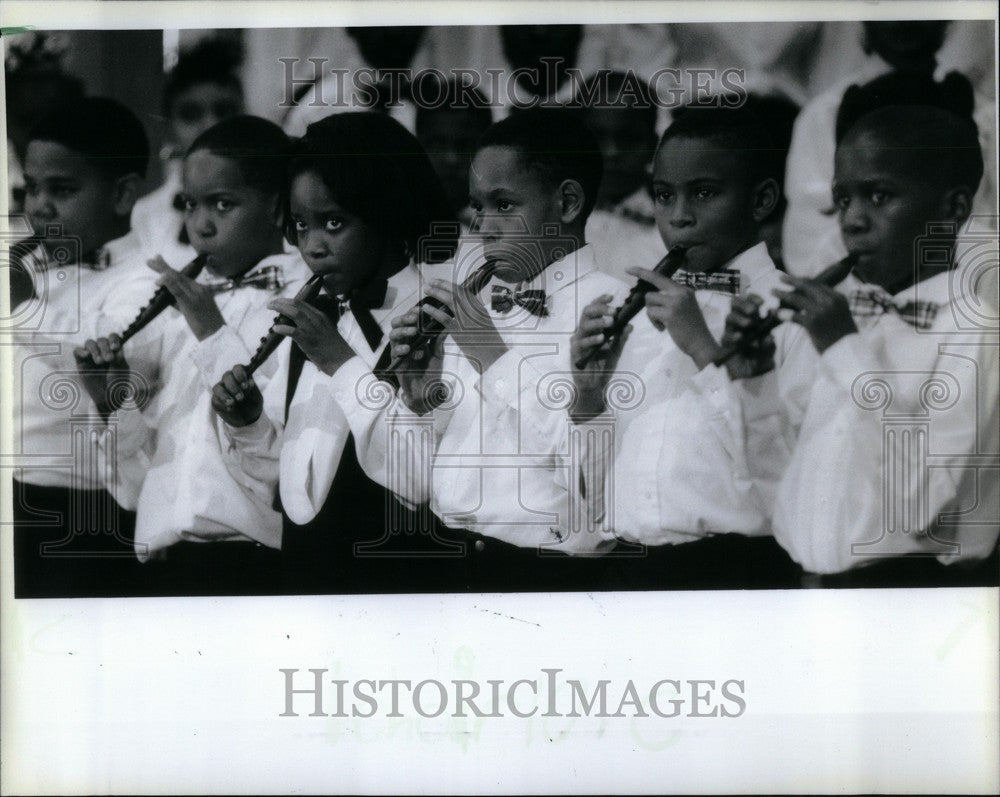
[[125, 453], [252, 453], [394, 445], [883, 465]]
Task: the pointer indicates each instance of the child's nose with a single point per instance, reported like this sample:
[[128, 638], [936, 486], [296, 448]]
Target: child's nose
[[681, 215], [202, 223], [853, 218], [40, 206], [313, 245]]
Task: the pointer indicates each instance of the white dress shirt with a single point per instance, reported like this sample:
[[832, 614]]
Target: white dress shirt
[[498, 448], [898, 450], [693, 452], [169, 457], [303, 455], [55, 422]]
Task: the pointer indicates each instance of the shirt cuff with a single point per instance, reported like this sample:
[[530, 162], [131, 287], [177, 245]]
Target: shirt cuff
[[258, 434], [130, 430]]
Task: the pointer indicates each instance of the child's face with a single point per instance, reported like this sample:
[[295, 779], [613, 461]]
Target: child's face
[[883, 209], [513, 205], [703, 202], [200, 106], [449, 137], [627, 141], [63, 188], [346, 250], [235, 223]]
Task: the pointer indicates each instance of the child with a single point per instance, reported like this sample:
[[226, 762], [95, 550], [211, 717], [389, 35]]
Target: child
[[201, 530], [501, 474], [685, 460], [448, 131], [365, 209], [201, 90], [622, 115], [81, 278], [908, 48], [894, 454]]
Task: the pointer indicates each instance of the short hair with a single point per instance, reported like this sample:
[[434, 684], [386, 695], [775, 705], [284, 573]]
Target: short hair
[[942, 146], [376, 169], [448, 95], [211, 60], [555, 142], [102, 129], [953, 93], [258, 147], [740, 131]]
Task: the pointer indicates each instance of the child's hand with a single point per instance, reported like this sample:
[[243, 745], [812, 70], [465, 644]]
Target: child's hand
[[752, 358], [315, 332], [102, 367], [195, 301], [422, 368], [237, 399], [468, 322], [674, 308], [588, 338], [823, 312]]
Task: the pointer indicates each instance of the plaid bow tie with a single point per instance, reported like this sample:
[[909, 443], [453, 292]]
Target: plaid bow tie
[[268, 278], [503, 299], [871, 302], [727, 281]]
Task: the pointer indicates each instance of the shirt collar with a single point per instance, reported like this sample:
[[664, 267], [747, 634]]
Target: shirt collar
[[755, 265], [564, 272], [403, 284], [941, 289]]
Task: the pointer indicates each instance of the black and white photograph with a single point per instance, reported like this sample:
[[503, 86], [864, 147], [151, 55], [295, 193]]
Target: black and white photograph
[[526, 322]]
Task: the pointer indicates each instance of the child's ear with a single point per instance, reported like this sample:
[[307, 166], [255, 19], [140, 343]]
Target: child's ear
[[765, 198], [126, 193], [956, 205], [571, 200]]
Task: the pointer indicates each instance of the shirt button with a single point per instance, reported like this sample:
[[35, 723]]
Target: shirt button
[[480, 546]]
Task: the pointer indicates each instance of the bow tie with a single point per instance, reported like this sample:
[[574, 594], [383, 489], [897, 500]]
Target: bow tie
[[503, 299], [727, 281], [874, 301], [269, 278]]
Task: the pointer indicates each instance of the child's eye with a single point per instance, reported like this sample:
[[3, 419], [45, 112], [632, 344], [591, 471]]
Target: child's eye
[[333, 225], [503, 205], [879, 197], [704, 193], [662, 196], [300, 226], [841, 202], [223, 205], [187, 205], [63, 191], [475, 206]]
